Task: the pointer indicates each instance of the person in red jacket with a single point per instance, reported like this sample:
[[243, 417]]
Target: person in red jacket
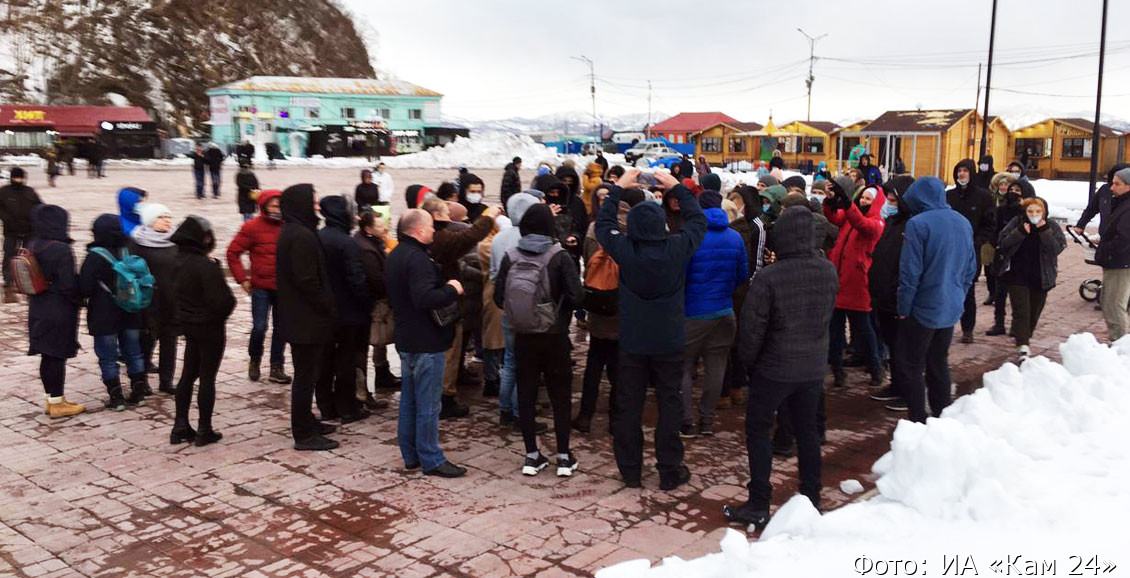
[[861, 224], [259, 236]]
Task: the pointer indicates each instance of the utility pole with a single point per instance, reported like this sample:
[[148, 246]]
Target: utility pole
[[811, 60], [592, 90], [1096, 143], [989, 84], [649, 109], [976, 103]]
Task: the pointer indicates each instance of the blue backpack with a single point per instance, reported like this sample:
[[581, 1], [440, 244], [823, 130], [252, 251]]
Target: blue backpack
[[134, 291]]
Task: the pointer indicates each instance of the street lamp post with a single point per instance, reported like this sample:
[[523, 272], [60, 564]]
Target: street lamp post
[[592, 90], [811, 60]]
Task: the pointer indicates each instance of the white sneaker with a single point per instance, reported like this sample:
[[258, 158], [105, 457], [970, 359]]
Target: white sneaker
[[565, 468], [532, 466], [1022, 354]]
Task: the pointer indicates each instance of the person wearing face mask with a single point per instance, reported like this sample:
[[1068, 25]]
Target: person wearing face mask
[[259, 238], [1113, 255], [976, 204], [1006, 212], [999, 188], [860, 224], [151, 241], [471, 195], [883, 281], [204, 302], [1030, 248], [1016, 169], [985, 173]]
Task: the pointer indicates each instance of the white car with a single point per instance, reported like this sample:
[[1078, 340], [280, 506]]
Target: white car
[[651, 150]]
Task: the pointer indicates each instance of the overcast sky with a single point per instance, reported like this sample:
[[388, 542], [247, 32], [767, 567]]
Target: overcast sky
[[500, 59]]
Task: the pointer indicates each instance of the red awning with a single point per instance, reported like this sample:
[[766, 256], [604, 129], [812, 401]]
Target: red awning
[[68, 120]]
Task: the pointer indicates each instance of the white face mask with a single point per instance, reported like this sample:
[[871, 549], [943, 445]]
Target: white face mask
[[1035, 220], [1015, 174], [474, 198], [963, 182], [819, 198], [984, 167]]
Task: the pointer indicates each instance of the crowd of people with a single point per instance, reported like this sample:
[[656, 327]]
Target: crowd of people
[[668, 272]]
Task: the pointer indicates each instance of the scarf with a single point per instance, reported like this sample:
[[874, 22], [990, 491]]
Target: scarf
[[147, 237]]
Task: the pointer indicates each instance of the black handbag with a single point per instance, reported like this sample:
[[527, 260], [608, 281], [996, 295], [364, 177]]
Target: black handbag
[[447, 315], [602, 302]]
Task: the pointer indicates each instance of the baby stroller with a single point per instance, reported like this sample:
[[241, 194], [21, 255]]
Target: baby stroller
[[1091, 289]]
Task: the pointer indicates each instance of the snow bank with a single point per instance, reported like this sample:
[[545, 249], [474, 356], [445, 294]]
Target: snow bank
[[1032, 465], [491, 151], [1066, 199]]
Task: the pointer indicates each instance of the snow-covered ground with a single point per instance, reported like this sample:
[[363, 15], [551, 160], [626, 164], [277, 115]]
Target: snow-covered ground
[[1033, 466]]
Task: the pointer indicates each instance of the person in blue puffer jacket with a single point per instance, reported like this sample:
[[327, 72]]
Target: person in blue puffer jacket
[[718, 267], [937, 266]]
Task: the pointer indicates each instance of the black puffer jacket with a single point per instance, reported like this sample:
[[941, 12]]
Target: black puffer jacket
[[652, 269], [306, 309], [204, 300], [344, 270], [511, 182], [245, 182], [975, 204], [784, 326], [373, 260], [97, 281], [415, 288], [16, 202], [52, 316], [883, 277]]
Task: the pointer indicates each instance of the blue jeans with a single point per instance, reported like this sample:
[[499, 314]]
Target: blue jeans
[[106, 347], [508, 377], [215, 182], [264, 301], [199, 177], [421, 385]]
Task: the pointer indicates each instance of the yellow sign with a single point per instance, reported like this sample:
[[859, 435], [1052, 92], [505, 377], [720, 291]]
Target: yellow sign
[[30, 115]]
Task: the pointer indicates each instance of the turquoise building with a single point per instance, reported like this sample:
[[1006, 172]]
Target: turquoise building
[[323, 116]]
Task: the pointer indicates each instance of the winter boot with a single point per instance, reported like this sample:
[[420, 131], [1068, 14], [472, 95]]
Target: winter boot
[[137, 386], [278, 375], [839, 377], [996, 330], [583, 422], [117, 401], [490, 387], [182, 433], [385, 379], [451, 408], [253, 369], [877, 375], [746, 515], [60, 407]]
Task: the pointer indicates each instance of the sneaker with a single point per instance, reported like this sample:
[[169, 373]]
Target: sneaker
[[898, 405], [447, 470], [360, 414], [253, 369], [532, 466], [1022, 354], [705, 429], [687, 432], [325, 428], [885, 394], [746, 515], [565, 468], [117, 401], [315, 443], [996, 330], [682, 476]]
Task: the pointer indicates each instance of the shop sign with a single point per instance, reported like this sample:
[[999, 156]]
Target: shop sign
[[367, 124], [106, 125], [305, 102], [29, 115], [221, 110], [405, 133]]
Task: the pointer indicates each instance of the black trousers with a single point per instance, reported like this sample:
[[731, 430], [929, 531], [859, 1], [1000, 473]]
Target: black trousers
[[1027, 305], [889, 334], [802, 400], [969, 316], [336, 389], [538, 355], [201, 361], [307, 359], [1000, 301], [636, 373], [166, 341], [53, 374], [922, 349], [785, 434], [601, 358]]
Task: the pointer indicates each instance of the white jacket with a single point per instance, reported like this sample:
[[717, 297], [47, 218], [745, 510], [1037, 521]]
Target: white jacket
[[384, 181]]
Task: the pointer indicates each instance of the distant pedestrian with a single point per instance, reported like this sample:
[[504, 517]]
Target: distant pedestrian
[[199, 165], [937, 266], [385, 186], [1113, 255], [16, 203], [511, 181], [214, 158], [366, 193], [247, 187], [152, 241]]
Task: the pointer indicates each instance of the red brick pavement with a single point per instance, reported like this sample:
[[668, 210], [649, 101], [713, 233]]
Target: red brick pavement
[[104, 494]]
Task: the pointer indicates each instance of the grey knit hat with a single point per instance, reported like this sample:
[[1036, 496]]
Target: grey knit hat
[[1124, 175]]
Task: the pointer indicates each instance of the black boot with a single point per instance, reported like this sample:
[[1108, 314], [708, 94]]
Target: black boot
[[182, 433], [451, 408], [385, 378], [996, 330], [877, 375], [138, 385], [583, 422], [278, 375], [490, 387], [839, 377], [253, 368], [117, 401]]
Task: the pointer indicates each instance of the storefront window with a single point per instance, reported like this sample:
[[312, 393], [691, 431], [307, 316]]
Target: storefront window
[[1034, 146], [814, 144], [23, 140], [1076, 148], [415, 114], [348, 113], [711, 144], [737, 145], [385, 113]]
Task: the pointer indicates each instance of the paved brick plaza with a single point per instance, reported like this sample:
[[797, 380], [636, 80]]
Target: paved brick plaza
[[103, 494]]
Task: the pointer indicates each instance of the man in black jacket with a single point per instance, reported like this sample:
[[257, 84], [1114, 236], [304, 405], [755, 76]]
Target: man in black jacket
[[651, 296], [214, 158], [977, 206], [199, 164], [784, 337], [1099, 203], [336, 389], [1113, 255], [415, 291], [511, 181], [16, 202], [307, 315]]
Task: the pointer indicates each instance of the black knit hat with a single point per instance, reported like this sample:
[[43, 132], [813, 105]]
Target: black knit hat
[[17, 173], [538, 220], [710, 199]]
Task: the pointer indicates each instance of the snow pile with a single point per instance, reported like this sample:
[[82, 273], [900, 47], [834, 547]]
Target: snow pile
[[733, 179], [1066, 199], [492, 151], [1032, 465]]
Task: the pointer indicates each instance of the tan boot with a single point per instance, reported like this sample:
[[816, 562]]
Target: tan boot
[[60, 407]]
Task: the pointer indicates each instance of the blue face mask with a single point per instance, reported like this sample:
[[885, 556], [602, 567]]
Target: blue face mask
[[888, 211]]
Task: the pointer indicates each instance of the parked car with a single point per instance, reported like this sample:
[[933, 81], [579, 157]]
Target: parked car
[[650, 150]]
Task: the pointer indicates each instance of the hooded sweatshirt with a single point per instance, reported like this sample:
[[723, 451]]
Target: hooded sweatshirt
[[128, 199], [564, 279], [306, 310], [203, 299], [344, 270], [937, 264], [784, 327], [974, 203], [652, 270], [505, 240]]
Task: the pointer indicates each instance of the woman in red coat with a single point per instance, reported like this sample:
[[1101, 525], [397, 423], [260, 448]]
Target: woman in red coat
[[861, 224], [259, 236]]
